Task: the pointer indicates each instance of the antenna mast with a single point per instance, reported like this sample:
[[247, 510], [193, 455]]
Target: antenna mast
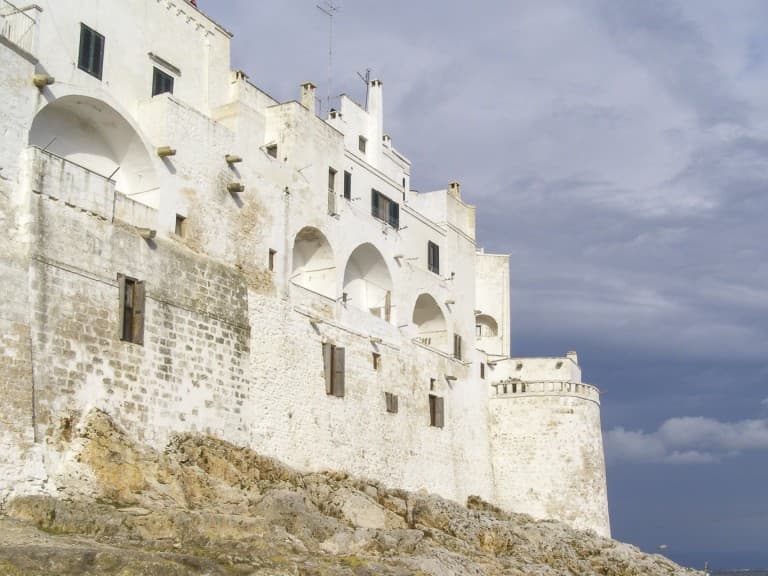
[[329, 9], [367, 80]]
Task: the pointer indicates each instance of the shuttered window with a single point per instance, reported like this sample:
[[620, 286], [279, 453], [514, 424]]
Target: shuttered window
[[132, 297], [347, 185], [436, 411], [433, 257], [333, 363], [332, 192], [385, 209], [391, 401], [457, 346], [90, 56], [161, 82]]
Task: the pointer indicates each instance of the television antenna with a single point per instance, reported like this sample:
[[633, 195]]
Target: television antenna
[[367, 80], [329, 8]]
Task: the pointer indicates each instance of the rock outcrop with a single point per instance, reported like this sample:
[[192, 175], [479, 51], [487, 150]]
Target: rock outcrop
[[204, 506]]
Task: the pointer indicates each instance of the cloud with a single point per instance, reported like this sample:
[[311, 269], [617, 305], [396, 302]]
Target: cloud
[[687, 440]]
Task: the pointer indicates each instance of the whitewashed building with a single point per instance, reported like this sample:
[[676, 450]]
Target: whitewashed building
[[188, 254]]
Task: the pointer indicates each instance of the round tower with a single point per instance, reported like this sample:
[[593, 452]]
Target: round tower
[[547, 444]]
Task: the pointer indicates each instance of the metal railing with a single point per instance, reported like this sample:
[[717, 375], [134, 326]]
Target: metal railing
[[18, 25]]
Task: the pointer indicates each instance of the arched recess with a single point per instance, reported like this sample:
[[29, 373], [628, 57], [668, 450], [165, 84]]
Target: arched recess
[[486, 326], [368, 284], [313, 265], [430, 322], [92, 134]]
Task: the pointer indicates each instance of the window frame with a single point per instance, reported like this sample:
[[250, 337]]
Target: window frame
[[385, 209], [433, 257], [436, 411], [157, 73], [132, 311], [391, 401], [90, 52], [332, 210], [334, 369], [457, 347], [347, 185]]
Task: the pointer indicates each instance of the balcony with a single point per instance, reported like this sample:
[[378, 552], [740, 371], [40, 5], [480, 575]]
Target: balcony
[[18, 26]]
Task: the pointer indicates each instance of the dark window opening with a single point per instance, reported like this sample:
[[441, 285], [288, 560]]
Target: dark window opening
[[385, 209], [272, 150], [436, 411], [131, 309], [362, 142], [333, 364], [433, 257], [482, 370], [332, 192], [376, 361], [457, 346], [272, 259], [391, 400], [181, 226], [347, 185], [161, 82], [91, 54]]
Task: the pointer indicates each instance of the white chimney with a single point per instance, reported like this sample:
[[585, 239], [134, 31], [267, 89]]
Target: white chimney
[[308, 96]]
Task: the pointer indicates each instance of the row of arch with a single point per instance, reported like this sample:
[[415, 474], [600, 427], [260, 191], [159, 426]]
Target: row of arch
[[367, 284]]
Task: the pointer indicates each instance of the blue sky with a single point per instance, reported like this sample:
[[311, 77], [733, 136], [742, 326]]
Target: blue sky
[[618, 151]]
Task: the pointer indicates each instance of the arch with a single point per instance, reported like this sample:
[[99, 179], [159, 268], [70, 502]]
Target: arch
[[486, 326], [430, 322], [91, 133], [368, 283], [313, 265]]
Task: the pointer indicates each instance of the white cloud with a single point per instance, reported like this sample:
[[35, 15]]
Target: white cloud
[[688, 440]]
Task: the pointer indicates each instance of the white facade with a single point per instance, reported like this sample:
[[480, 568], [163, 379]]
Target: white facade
[[296, 296]]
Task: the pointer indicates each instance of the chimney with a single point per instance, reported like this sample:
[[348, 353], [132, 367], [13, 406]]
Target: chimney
[[572, 356], [308, 96], [454, 189], [375, 107]]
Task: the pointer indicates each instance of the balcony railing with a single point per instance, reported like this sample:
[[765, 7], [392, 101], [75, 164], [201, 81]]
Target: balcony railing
[[19, 24]]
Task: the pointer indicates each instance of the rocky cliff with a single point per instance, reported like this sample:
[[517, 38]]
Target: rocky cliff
[[207, 507]]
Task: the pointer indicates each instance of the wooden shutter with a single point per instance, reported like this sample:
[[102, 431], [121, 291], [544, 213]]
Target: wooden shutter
[[347, 185], [457, 346], [388, 306], [138, 312], [121, 306], [338, 372], [394, 214], [374, 203], [439, 415], [328, 367]]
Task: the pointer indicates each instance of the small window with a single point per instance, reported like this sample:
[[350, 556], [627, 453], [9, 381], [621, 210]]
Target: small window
[[347, 185], [391, 400], [131, 309], [385, 209], [376, 361], [272, 150], [433, 257], [432, 382], [332, 192], [457, 346], [479, 330], [161, 82], [181, 226], [482, 370], [271, 262], [436, 411], [91, 54], [362, 143], [333, 364]]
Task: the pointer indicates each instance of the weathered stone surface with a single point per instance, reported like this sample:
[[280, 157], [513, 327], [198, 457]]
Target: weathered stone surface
[[208, 507]]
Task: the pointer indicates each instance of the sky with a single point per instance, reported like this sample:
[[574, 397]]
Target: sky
[[618, 151]]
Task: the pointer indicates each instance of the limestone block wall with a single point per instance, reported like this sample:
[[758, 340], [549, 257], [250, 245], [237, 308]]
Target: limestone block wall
[[547, 451]]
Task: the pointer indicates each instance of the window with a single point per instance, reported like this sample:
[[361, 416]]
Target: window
[[385, 209], [347, 185], [433, 257], [332, 192], [181, 226], [436, 411], [479, 330], [362, 142], [432, 382], [376, 361], [482, 370], [457, 346], [131, 309], [272, 150], [91, 55], [333, 364], [271, 261], [161, 82], [391, 400]]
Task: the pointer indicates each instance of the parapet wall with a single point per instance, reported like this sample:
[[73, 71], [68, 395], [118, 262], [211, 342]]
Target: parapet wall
[[547, 451]]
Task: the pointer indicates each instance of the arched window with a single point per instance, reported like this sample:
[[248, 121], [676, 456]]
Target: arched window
[[313, 264], [485, 326], [93, 135], [368, 284], [430, 323]]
